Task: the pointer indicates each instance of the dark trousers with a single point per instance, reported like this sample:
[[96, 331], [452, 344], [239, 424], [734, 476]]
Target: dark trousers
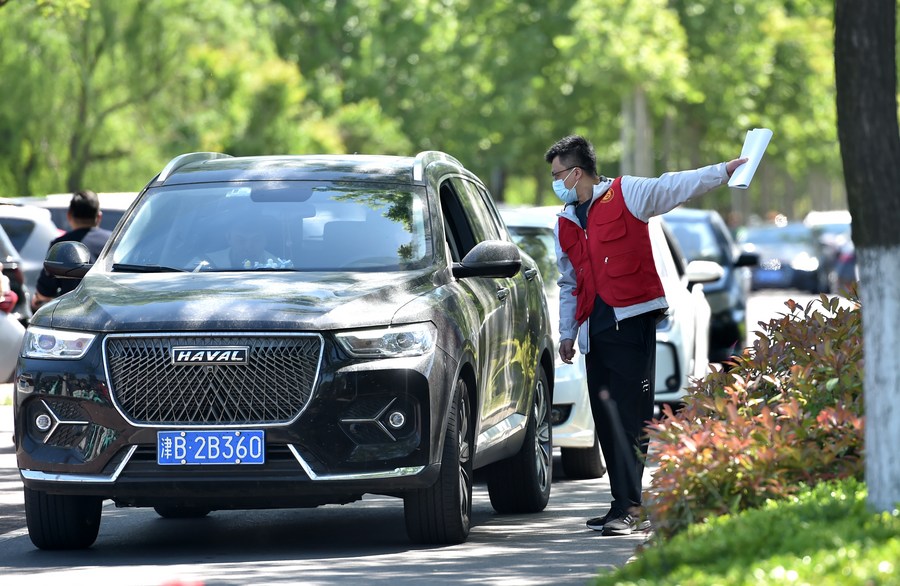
[[621, 367]]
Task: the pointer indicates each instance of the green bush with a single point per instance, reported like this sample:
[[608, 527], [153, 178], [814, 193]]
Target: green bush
[[786, 413], [823, 536]]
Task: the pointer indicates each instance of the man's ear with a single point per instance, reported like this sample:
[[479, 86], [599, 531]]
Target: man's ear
[[99, 217]]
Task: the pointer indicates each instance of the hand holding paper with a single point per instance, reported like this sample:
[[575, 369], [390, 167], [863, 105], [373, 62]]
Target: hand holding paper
[[754, 146]]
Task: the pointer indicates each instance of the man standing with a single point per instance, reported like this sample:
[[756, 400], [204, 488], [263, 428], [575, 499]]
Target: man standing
[[610, 300], [84, 218]]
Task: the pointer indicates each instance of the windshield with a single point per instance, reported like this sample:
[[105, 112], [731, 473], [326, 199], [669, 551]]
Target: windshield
[[292, 225], [697, 240]]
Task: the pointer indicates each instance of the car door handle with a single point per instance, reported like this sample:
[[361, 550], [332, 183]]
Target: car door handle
[[502, 293], [530, 274]]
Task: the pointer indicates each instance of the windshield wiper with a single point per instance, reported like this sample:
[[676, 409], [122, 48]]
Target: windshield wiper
[[127, 268]]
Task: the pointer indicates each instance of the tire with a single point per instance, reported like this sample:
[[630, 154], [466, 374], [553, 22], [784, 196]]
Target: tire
[[521, 484], [176, 512], [57, 521], [441, 514], [583, 463]]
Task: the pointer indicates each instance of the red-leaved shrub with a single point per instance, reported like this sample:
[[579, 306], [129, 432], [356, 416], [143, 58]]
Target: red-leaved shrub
[[786, 413]]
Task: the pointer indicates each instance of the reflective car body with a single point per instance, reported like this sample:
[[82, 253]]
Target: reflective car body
[[380, 334], [790, 257], [682, 338], [703, 235]]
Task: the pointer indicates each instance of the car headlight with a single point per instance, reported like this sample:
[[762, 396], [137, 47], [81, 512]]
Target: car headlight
[[47, 343], [405, 340]]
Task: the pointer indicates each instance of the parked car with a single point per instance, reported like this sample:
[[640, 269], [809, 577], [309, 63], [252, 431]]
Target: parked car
[[703, 235], [573, 423], [113, 205], [790, 257], [31, 231], [383, 335], [17, 302], [11, 332], [681, 338]]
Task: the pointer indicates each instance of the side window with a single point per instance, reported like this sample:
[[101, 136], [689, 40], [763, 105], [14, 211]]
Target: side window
[[483, 223], [492, 209], [460, 239]]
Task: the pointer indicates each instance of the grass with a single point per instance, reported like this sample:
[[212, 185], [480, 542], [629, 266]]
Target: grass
[[825, 536]]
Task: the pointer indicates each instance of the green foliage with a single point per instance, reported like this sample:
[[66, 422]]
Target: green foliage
[[102, 93], [822, 535], [788, 412]]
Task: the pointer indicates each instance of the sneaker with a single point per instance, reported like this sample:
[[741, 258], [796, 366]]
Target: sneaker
[[597, 522], [621, 525], [644, 526]]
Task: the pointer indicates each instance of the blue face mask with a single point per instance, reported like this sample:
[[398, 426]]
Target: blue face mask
[[567, 195]]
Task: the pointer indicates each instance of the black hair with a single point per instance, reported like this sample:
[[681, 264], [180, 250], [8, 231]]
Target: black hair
[[574, 151], [85, 205]]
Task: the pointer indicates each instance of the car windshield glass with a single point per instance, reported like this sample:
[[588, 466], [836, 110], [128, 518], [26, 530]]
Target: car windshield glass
[[697, 240], [777, 235], [538, 243], [280, 226], [18, 230]]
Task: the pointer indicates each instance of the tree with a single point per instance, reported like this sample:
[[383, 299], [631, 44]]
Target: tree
[[866, 78]]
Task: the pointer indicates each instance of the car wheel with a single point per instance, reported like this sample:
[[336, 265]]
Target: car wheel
[[582, 463], [442, 513], [57, 521], [177, 512], [521, 484]]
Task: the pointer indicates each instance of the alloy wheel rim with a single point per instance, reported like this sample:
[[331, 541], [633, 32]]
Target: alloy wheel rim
[[465, 480], [542, 449]]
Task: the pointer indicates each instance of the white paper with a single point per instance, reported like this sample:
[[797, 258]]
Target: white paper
[[754, 146]]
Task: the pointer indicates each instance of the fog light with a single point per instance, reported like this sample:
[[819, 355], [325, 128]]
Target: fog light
[[43, 422], [396, 419], [672, 383], [559, 414]]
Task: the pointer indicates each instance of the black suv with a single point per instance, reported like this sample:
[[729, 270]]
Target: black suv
[[703, 235], [290, 331]]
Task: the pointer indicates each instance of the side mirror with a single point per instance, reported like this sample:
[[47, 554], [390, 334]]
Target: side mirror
[[68, 260], [747, 259], [491, 258], [702, 271]]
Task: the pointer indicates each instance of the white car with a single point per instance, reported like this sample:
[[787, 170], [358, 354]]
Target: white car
[[11, 334], [682, 338], [112, 204]]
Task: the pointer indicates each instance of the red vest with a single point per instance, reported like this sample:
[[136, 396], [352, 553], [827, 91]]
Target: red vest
[[612, 257]]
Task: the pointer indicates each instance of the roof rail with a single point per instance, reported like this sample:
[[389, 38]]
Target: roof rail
[[425, 158], [185, 159]]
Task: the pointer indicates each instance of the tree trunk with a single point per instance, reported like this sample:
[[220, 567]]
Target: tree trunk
[[866, 81]]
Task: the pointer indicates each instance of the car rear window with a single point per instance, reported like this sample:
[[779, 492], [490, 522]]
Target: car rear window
[[18, 230]]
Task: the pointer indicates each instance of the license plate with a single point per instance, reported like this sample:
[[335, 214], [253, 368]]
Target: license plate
[[177, 448]]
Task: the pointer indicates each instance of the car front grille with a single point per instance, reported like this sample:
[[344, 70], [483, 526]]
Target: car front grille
[[271, 386]]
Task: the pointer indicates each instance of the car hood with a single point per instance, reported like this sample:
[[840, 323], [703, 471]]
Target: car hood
[[292, 301]]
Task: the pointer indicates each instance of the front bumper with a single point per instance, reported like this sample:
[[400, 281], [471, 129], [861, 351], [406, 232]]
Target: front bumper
[[574, 427], [337, 446]]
